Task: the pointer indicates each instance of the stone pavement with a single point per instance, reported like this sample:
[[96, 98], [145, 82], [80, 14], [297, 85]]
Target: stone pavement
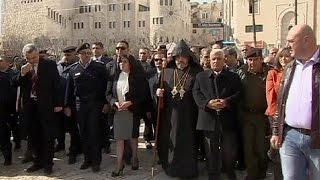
[[61, 169]]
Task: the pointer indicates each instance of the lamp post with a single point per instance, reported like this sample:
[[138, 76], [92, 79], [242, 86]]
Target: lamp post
[[295, 12]]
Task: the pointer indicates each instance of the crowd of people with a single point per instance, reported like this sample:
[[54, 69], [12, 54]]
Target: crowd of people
[[231, 112]]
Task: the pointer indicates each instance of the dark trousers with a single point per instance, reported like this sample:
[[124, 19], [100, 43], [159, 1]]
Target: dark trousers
[[105, 130], [221, 150], [89, 118], [69, 124], [15, 127], [149, 128], [42, 143], [200, 144], [5, 143]]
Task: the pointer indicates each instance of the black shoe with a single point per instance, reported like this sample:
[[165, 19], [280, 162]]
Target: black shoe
[[17, 146], [148, 145], [240, 166], [118, 173], [85, 165], [27, 159], [7, 162], [33, 168], [47, 171], [72, 159], [232, 175], [95, 168], [59, 147], [135, 164]]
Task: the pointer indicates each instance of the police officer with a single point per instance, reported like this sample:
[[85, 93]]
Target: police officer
[[253, 105], [5, 90], [86, 84], [68, 124]]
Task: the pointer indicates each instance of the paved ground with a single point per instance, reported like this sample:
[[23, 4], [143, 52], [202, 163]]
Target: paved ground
[[61, 169]]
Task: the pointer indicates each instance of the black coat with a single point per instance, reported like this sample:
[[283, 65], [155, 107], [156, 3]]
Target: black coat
[[138, 94], [48, 95], [229, 85]]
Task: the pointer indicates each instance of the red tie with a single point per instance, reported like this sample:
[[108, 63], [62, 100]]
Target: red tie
[[34, 82]]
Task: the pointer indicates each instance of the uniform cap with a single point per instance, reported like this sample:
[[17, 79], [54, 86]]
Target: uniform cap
[[83, 46], [254, 52], [69, 49]]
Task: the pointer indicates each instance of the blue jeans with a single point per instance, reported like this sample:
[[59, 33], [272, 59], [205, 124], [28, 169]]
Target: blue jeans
[[299, 161]]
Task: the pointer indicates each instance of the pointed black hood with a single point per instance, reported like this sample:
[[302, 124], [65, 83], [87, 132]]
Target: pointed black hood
[[182, 49]]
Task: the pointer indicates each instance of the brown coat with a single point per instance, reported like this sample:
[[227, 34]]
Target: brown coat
[[278, 124]]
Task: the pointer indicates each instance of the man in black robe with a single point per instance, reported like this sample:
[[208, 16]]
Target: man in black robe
[[181, 110]]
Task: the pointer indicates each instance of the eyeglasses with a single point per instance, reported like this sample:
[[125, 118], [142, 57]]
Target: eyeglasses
[[122, 48], [244, 50], [156, 60]]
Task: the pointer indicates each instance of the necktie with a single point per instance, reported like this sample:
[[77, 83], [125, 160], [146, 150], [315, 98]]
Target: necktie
[[33, 82]]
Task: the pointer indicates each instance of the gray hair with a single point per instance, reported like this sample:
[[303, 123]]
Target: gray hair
[[29, 48], [217, 51], [230, 51]]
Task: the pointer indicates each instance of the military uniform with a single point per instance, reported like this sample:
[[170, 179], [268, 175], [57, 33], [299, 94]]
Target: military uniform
[[86, 87], [68, 124], [253, 120]]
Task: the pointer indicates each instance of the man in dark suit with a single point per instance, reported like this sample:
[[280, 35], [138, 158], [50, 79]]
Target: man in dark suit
[[39, 81], [86, 86], [154, 77], [216, 92], [98, 50]]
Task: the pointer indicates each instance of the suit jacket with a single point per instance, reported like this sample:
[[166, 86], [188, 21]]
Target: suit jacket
[[228, 84], [48, 95], [138, 94], [154, 84]]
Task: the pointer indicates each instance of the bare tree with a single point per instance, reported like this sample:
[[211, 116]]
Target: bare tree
[[13, 44], [53, 45]]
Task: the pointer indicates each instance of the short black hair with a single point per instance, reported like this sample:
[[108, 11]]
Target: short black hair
[[124, 42]]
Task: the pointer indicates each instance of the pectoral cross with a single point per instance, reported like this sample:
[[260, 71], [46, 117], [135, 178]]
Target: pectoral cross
[[182, 92], [174, 91]]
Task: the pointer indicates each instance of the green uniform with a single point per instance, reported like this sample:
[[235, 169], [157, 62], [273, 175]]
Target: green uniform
[[254, 123]]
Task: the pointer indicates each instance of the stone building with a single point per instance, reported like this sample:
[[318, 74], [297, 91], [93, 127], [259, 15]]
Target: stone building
[[273, 19], [71, 22], [206, 23]]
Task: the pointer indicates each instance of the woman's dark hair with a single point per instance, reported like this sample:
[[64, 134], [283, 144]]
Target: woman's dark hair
[[135, 66], [276, 60]]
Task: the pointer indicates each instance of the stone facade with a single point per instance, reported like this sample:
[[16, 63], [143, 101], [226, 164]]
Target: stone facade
[[71, 22], [273, 18], [206, 21]]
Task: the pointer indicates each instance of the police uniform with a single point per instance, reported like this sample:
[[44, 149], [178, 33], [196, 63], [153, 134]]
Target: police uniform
[[68, 124], [254, 123], [86, 84]]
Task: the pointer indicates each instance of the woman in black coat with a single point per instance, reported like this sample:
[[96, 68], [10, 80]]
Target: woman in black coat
[[128, 96]]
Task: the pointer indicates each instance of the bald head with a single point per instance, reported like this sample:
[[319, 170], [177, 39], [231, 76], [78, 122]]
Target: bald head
[[301, 42]]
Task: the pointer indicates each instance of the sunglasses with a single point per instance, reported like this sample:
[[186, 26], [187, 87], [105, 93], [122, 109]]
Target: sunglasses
[[156, 60], [122, 48]]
